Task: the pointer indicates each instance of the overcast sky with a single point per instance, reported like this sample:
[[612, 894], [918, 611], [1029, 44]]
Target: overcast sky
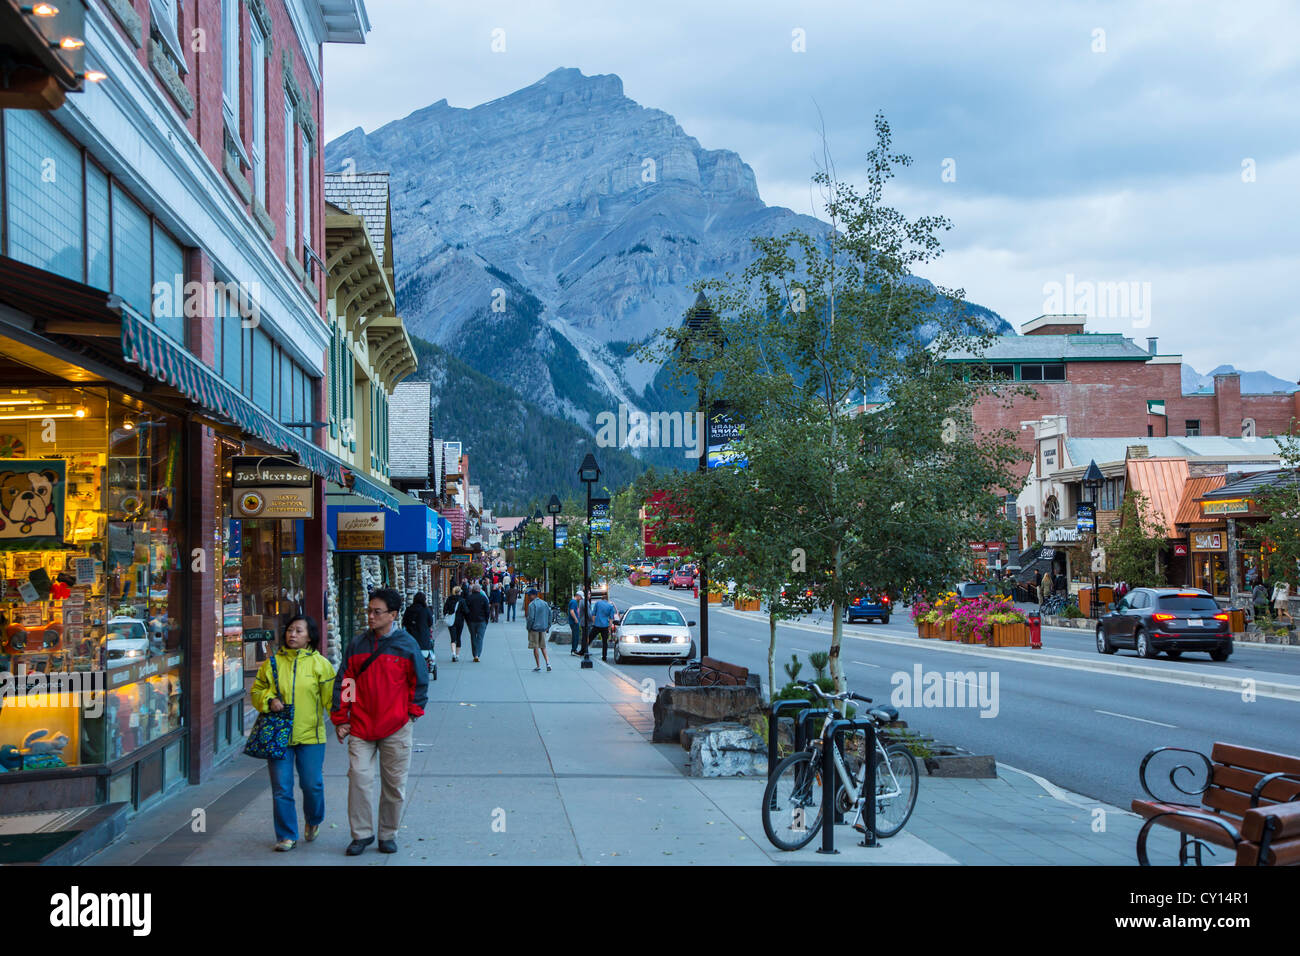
[[1153, 144]]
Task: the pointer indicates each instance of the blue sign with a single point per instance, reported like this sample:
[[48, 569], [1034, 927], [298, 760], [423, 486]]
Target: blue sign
[[1085, 517]]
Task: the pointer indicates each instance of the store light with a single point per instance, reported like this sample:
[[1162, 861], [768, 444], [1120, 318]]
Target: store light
[[94, 76], [65, 411], [41, 10], [67, 43], [128, 424]]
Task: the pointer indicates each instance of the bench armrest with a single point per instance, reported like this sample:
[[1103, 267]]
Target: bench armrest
[[1232, 831], [1209, 772], [1265, 781]]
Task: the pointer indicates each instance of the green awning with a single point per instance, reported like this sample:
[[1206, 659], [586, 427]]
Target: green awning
[[165, 360], [372, 490]]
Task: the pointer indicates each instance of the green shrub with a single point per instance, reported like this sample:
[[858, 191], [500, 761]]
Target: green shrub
[[792, 670], [820, 660]]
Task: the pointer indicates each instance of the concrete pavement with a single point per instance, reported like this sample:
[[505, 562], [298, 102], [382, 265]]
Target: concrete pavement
[[519, 767]]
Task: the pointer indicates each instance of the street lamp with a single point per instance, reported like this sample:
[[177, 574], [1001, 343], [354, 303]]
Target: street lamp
[[1093, 480], [554, 506], [588, 474], [701, 341]]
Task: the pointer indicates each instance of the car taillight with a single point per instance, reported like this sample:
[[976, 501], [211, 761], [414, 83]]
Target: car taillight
[[1162, 617], [1223, 616], [884, 599]]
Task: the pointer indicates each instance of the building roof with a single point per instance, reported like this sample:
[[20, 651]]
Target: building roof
[[505, 524], [409, 431], [1260, 481], [1161, 480], [364, 195], [1083, 450], [1074, 347], [1189, 508]]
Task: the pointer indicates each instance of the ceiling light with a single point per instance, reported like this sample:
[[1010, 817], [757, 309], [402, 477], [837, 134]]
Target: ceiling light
[[41, 10], [80, 411], [68, 43], [94, 76], [128, 424]]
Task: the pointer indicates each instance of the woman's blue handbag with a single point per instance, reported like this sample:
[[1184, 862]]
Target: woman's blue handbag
[[269, 739]]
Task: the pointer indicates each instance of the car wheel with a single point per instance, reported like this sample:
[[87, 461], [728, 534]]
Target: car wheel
[[1220, 654], [885, 619], [1144, 647], [618, 657], [1103, 645]]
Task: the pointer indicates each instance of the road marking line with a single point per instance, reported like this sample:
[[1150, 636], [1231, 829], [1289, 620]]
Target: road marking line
[[1142, 719], [864, 664]]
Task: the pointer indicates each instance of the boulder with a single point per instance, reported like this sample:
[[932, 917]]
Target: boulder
[[677, 708], [727, 749]]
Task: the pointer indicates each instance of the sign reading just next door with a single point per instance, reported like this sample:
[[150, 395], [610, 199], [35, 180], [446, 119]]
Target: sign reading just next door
[[268, 487]]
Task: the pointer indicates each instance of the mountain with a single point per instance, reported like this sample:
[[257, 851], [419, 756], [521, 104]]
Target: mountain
[[519, 452], [541, 236], [1252, 383]]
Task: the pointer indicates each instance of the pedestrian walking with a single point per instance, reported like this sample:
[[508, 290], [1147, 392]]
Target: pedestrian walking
[[602, 615], [1281, 600], [379, 694], [1044, 588], [476, 616], [453, 613], [497, 600], [297, 676], [538, 621], [575, 623], [512, 599], [418, 622]]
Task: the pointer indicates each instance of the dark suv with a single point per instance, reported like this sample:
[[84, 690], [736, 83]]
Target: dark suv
[[1173, 620]]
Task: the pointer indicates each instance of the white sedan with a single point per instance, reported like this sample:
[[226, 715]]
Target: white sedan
[[653, 630]]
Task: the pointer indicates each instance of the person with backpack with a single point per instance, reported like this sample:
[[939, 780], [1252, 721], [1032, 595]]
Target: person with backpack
[[379, 693], [497, 599], [476, 615], [512, 599], [455, 608], [538, 621], [418, 622]]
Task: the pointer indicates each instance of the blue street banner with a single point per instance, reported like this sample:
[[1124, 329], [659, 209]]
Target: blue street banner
[[724, 429]]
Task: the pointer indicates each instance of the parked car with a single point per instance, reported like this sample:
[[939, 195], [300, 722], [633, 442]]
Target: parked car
[[1151, 620], [681, 579], [660, 576], [868, 606], [128, 640], [653, 630], [970, 590]]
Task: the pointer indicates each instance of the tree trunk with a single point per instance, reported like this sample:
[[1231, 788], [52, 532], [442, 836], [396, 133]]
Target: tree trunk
[[837, 630], [771, 654]]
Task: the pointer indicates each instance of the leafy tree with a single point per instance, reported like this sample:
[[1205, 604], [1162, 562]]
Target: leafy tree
[[1133, 547], [1281, 502], [814, 326]]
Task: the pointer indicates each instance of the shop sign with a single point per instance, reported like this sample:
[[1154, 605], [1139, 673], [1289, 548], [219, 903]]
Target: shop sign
[[451, 451], [1180, 550], [1207, 541], [265, 487], [32, 494], [977, 546], [1085, 517], [1229, 506], [460, 558], [1061, 535], [361, 530]]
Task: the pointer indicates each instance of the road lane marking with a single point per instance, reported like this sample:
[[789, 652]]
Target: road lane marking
[[864, 664], [1142, 719]]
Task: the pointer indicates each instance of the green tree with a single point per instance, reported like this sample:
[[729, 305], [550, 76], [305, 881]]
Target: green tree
[[812, 328], [1281, 502], [1133, 546]]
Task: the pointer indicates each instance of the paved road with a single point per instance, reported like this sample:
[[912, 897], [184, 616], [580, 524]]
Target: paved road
[[1084, 730]]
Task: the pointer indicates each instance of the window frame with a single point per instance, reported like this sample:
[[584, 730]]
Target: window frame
[[1191, 427], [167, 14], [257, 45], [290, 170]]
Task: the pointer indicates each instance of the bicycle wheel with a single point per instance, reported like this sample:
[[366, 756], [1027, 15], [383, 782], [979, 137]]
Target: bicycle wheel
[[896, 794], [792, 802]]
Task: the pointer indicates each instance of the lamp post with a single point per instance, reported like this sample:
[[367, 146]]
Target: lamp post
[[1093, 480], [554, 506], [702, 328], [588, 474], [537, 516]]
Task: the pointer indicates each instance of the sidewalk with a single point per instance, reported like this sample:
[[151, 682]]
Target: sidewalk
[[518, 767]]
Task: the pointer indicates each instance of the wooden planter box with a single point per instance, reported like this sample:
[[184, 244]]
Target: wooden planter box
[[640, 581], [971, 638], [746, 605], [1010, 635], [715, 598], [946, 632], [925, 629]]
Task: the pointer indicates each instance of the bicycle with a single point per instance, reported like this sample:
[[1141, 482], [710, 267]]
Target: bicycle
[[792, 810], [1057, 603], [694, 674]]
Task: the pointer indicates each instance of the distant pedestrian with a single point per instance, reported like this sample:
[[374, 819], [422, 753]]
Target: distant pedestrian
[[575, 622], [476, 616], [418, 622], [455, 609], [1259, 598], [497, 600], [297, 676], [1281, 600], [378, 695], [512, 600], [538, 620], [1044, 587], [602, 616], [1059, 584]]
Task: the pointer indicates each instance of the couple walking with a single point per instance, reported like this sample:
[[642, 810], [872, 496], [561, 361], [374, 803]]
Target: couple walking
[[373, 703], [467, 606]]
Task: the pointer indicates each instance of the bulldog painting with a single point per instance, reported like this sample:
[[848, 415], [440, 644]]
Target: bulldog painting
[[31, 503]]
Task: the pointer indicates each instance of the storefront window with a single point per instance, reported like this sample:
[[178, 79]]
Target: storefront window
[[91, 536]]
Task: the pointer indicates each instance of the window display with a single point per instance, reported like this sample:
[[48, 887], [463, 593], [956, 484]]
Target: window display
[[91, 651]]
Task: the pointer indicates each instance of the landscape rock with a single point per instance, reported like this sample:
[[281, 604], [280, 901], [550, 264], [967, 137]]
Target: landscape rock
[[727, 749], [677, 708]]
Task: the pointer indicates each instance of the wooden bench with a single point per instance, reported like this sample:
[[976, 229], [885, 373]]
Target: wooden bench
[[1250, 803], [721, 674]]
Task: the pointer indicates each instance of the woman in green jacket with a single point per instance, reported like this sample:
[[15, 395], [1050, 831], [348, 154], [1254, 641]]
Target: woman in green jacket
[[305, 682]]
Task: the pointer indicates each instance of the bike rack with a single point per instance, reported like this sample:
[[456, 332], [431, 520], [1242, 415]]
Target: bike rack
[[773, 718], [829, 779]]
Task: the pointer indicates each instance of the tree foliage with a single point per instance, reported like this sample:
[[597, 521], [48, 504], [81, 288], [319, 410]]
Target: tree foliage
[[1281, 502], [1133, 546]]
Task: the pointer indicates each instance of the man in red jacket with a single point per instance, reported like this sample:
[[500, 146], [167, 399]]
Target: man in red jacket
[[379, 691]]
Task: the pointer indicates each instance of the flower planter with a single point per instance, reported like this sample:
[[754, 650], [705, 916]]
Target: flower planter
[[715, 598], [925, 629], [746, 605], [640, 582], [1010, 635], [946, 631]]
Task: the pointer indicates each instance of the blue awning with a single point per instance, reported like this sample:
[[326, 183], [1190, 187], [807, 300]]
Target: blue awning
[[168, 362]]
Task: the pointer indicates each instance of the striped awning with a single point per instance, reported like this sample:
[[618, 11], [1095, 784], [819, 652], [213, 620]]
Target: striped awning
[[165, 360], [373, 491]]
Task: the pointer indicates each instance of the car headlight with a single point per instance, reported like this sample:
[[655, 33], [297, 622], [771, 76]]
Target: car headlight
[[681, 639], [135, 653], [629, 638]]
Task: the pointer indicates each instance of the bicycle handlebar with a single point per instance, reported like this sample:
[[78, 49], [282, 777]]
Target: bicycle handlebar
[[847, 695]]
